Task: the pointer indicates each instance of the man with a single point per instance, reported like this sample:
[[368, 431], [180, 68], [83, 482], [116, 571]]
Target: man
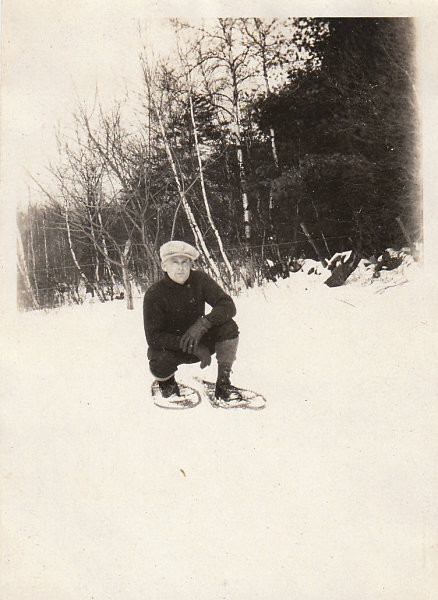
[[176, 327]]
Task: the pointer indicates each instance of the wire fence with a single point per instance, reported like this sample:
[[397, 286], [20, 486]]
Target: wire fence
[[275, 244], [105, 284], [249, 269]]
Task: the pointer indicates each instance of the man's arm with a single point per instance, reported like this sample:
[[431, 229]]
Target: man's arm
[[155, 325], [223, 307]]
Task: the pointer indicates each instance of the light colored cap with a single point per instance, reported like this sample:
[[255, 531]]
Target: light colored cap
[[176, 248]]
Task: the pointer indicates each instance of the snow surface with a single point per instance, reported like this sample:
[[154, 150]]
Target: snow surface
[[327, 494]]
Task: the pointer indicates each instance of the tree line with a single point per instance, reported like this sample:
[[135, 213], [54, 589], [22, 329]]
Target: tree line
[[259, 141]]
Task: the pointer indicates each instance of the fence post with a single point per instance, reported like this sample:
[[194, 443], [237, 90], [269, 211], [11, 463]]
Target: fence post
[[322, 260]]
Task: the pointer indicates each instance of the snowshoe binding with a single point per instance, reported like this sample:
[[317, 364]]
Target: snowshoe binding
[[229, 396], [170, 394]]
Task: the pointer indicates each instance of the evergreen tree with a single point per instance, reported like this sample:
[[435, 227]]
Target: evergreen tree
[[358, 108]]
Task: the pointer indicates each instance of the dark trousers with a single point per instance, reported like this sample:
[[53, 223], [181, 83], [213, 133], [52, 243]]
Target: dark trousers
[[163, 362]]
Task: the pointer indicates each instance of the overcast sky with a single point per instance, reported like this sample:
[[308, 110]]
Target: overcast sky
[[55, 52], [53, 60]]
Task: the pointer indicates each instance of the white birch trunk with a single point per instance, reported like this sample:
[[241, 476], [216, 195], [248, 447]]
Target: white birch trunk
[[204, 192], [73, 254], [96, 254], [124, 258], [192, 221], [32, 249], [271, 133], [274, 146], [70, 244], [104, 246], [22, 267], [46, 256], [271, 129], [236, 130]]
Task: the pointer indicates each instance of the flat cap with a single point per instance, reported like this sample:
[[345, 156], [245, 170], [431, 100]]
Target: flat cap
[[176, 248]]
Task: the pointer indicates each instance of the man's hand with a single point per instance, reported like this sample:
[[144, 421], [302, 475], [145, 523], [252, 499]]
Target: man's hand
[[203, 353], [194, 333]]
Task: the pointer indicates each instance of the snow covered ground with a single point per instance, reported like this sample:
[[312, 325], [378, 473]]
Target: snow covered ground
[[328, 494]]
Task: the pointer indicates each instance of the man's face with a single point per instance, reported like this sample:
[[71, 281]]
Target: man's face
[[178, 268]]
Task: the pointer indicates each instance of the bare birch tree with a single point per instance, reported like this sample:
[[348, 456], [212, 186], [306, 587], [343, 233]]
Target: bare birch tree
[[204, 191], [199, 238], [219, 64], [261, 38], [187, 78]]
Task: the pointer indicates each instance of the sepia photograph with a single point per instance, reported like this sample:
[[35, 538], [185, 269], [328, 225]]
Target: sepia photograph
[[218, 301]]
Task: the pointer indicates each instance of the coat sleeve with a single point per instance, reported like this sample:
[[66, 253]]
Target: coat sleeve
[[155, 325], [223, 307]]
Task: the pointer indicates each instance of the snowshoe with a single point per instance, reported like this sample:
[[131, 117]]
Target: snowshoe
[[232, 396], [174, 396]]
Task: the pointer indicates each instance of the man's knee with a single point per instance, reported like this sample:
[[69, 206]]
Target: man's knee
[[163, 363], [226, 331]]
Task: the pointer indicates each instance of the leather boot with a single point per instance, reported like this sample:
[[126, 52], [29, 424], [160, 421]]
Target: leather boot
[[169, 387], [224, 390]]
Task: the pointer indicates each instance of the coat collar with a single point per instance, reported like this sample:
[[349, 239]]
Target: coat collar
[[177, 286]]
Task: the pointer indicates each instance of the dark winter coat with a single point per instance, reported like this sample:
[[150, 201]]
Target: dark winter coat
[[170, 308]]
